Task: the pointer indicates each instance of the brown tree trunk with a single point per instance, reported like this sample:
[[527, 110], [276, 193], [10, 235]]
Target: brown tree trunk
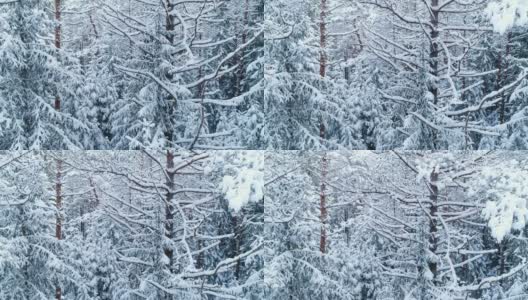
[[58, 205], [169, 21], [96, 197], [322, 58], [347, 68], [502, 65], [347, 228], [433, 226], [171, 103], [433, 51], [238, 240], [433, 58], [240, 57], [501, 252], [322, 39], [57, 106], [322, 203], [90, 206], [57, 44], [463, 95], [200, 257], [169, 215], [498, 86], [169, 135], [93, 26], [83, 224]]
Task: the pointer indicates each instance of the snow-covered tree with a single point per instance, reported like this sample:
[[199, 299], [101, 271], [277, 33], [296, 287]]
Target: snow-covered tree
[[41, 106], [131, 225], [395, 74], [398, 225]]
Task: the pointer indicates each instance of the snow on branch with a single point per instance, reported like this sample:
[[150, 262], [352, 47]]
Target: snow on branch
[[505, 14], [247, 183]]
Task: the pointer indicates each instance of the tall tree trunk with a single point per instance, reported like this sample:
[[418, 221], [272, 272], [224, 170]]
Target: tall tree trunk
[[322, 39], [83, 224], [501, 252], [91, 206], [322, 203], [502, 65], [169, 135], [169, 21], [57, 106], [237, 225], [171, 103], [322, 129], [169, 214], [347, 228], [322, 58], [433, 58], [58, 205], [93, 26], [240, 57], [57, 43], [346, 70], [433, 226], [95, 203], [200, 256]]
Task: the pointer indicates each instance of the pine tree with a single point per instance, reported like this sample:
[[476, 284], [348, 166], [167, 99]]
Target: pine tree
[[34, 73]]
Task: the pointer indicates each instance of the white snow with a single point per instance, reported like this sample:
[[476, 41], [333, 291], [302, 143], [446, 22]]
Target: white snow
[[248, 184], [505, 14], [508, 208]]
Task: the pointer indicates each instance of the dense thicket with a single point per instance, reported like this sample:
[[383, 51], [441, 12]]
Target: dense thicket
[[386, 74], [127, 225], [131, 74], [388, 225]]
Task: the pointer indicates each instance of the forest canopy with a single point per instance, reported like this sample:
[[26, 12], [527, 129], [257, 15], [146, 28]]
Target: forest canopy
[[397, 225], [392, 74]]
